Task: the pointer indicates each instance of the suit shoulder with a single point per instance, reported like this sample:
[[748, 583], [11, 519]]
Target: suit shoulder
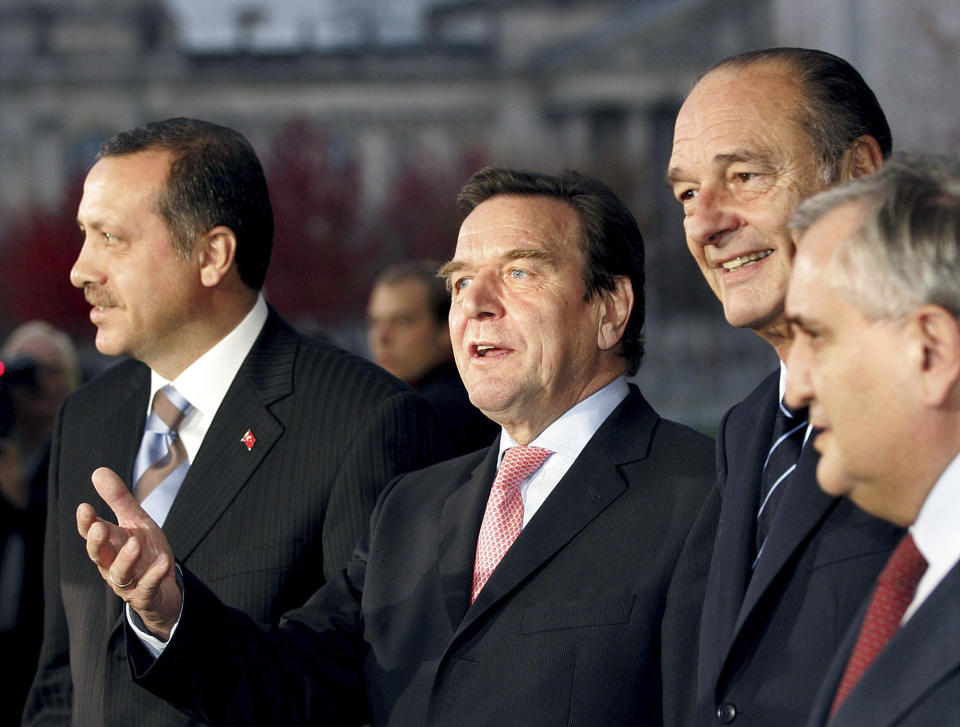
[[687, 454], [761, 396], [124, 373], [449, 469], [338, 367]]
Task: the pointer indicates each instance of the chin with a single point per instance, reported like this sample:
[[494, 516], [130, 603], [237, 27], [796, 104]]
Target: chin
[[832, 479]]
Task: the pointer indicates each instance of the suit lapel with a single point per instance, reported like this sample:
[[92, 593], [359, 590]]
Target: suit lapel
[[589, 486], [459, 527], [803, 506], [921, 653], [746, 434], [224, 464]]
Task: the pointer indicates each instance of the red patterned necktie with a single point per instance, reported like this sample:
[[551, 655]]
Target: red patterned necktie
[[503, 518], [896, 588]]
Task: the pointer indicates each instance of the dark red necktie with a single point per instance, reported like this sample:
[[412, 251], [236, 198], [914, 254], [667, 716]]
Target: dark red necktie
[[896, 588]]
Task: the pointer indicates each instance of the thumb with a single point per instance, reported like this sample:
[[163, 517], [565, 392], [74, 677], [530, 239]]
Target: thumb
[[116, 494]]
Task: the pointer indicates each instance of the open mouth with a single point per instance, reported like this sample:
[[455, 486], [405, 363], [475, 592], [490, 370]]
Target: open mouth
[[743, 260], [482, 350]]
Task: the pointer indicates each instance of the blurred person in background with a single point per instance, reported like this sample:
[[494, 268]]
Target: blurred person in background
[[40, 368], [409, 336]]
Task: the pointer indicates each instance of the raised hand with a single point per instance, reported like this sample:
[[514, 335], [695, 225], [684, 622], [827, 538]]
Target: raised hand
[[133, 556]]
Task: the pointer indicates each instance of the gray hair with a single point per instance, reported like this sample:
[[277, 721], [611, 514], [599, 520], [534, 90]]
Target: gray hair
[[907, 250]]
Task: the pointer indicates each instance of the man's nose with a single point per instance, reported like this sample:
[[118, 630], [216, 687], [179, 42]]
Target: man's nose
[[482, 298], [710, 217], [86, 268]]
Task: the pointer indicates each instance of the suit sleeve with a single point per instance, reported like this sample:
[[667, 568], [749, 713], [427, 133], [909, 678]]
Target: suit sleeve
[[681, 623], [51, 695], [403, 434], [223, 669]]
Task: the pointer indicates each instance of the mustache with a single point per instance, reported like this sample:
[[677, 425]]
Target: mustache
[[99, 297]]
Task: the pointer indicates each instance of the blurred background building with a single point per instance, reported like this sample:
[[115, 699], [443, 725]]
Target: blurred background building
[[368, 114]]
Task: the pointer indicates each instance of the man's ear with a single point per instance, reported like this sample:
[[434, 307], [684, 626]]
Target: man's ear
[[615, 309], [217, 249], [937, 343], [862, 158]]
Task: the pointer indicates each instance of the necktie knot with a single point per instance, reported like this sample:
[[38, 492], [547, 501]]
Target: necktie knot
[[905, 567], [170, 408], [896, 587], [518, 464]]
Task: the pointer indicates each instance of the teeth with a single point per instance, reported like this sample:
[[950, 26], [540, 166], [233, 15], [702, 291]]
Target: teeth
[[482, 350], [744, 259]]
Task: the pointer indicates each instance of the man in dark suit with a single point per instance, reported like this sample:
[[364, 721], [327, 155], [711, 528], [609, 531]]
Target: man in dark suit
[[757, 134], [408, 336], [286, 441], [588, 497], [875, 305]]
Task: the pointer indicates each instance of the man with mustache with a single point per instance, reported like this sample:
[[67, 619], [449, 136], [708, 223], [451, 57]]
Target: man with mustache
[[551, 578], [259, 451]]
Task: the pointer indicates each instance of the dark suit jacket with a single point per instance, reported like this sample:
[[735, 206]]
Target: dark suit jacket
[[914, 681], [263, 527], [601, 588], [767, 637]]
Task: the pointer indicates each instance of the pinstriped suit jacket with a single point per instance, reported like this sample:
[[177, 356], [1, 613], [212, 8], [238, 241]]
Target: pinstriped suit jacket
[[263, 527], [590, 619]]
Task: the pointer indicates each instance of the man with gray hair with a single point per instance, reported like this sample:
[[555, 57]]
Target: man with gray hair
[[874, 305]]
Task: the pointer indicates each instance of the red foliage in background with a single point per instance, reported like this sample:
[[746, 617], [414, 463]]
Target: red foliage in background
[[37, 252], [326, 251]]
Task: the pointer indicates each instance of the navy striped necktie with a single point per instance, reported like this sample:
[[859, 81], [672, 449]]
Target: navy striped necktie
[[789, 429]]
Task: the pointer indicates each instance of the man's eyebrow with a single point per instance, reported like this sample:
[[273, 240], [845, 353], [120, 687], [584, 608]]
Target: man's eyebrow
[[448, 269], [517, 253], [675, 174], [529, 253], [741, 155]]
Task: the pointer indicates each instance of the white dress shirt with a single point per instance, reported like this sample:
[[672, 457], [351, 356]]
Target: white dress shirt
[[936, 533], [204, 383], [566, 437]]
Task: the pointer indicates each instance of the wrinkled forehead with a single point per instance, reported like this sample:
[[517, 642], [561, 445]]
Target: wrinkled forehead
[[509, 223], [732, 108]]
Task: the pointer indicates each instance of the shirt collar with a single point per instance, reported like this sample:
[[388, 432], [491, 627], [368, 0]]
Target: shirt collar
[[204, 383], [570, 432], [935, 530]]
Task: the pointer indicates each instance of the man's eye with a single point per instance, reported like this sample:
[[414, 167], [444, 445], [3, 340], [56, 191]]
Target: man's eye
[[461, 283], [686, 195], [518, 274], [744, 176]]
